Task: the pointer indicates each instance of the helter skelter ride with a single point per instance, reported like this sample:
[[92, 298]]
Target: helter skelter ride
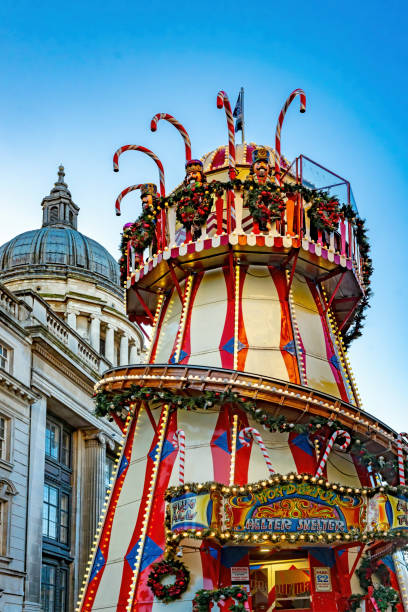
[[249, 476]]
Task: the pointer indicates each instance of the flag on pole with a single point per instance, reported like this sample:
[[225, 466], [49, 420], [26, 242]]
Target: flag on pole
[[239, 112]]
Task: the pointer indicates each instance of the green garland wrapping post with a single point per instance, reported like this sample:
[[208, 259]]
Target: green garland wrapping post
[[384, 595], [203, 598], [169, 592], [317, 427]]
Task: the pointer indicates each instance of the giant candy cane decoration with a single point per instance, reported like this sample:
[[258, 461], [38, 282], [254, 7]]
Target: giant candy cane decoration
[[342, 447], [179, 442], [223, 101], [296, 92], [401, 470], [122, 195], [250, 432], [181, 129], [154, 157]]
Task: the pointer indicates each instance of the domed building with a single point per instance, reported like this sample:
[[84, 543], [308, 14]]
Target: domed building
[[62, 324], [76, 276]]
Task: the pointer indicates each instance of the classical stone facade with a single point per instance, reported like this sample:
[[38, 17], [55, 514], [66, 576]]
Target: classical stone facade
[[61, 325]]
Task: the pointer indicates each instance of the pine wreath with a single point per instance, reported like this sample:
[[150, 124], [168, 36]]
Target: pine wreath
[[193, 205], [265, 203], [169, 592], [325, 212]]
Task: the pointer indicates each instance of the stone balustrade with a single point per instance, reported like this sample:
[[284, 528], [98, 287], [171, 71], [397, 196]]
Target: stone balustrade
[[28, 307]]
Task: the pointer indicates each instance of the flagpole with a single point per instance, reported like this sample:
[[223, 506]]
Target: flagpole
[[243, 120]]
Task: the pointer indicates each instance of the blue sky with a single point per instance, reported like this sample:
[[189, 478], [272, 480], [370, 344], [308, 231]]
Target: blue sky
[[80, 79]]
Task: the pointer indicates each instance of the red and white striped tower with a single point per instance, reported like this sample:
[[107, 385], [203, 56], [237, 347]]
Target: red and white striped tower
[[244, 441]]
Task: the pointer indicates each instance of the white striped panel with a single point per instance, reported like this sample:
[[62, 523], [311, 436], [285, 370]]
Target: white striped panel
[[279, 452], [169, 329], [198, 427], [262, 320], [207, 320]]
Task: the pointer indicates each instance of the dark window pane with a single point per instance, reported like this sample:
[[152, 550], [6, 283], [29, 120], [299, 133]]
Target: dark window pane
[[66, 448], [52, 440]]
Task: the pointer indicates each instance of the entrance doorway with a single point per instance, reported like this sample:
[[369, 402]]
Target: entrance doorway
[[279, 580]]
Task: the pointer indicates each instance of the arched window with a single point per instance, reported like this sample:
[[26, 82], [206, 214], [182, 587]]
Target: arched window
[[71, 217], [53, 214]]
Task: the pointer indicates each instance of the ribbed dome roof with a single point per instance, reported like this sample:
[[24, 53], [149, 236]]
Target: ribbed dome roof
[[57, 247]]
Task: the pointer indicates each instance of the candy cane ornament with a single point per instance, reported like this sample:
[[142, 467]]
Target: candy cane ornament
[[223, 101], [250, 432], [181, 129], [339, 433], [401, 469], [154, 157], [296, 92], [122, 195], [179, 442]]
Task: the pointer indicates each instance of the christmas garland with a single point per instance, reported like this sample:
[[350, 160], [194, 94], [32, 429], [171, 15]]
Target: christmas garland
[[384, 595], [266, 203], [204, 597], [223, 537], [318, 427], [193, 205], [169, 592], [280, 479], [141, 235]]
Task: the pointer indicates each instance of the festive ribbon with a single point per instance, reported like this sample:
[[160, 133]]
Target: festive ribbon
[[122, 195], [401, 469], [296, 92], [178, 126], [342, 447], [154, 157], [179, 442], [244, 436], [223, 101]]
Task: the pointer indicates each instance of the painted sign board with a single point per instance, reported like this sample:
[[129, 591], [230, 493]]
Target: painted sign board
[[322, 579]]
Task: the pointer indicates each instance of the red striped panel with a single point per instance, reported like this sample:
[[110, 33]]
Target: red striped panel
[[186, 343], [221, 445], [226, 346], [330, 352], [156, 529]]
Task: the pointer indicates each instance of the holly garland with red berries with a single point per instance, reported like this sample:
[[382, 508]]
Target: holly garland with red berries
[[204, 597], [169, 567], [318, 428]]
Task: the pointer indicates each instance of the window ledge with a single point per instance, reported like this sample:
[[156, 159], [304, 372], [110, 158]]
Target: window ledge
[[6, 465]]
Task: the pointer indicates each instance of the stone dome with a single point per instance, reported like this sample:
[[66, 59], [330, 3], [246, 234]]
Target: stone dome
[[58, 248]]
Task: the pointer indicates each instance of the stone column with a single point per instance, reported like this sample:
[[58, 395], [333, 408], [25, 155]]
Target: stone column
[[124, 350], [134, 357], [95, 332], [32, 595], [93, 488], [71, 319], [110, 343]]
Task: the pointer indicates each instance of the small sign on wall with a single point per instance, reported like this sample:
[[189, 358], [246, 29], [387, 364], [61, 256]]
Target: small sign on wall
[[322, 579], [240, 574]]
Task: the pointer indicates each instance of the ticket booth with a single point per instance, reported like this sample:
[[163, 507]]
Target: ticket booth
[[280, 581]]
